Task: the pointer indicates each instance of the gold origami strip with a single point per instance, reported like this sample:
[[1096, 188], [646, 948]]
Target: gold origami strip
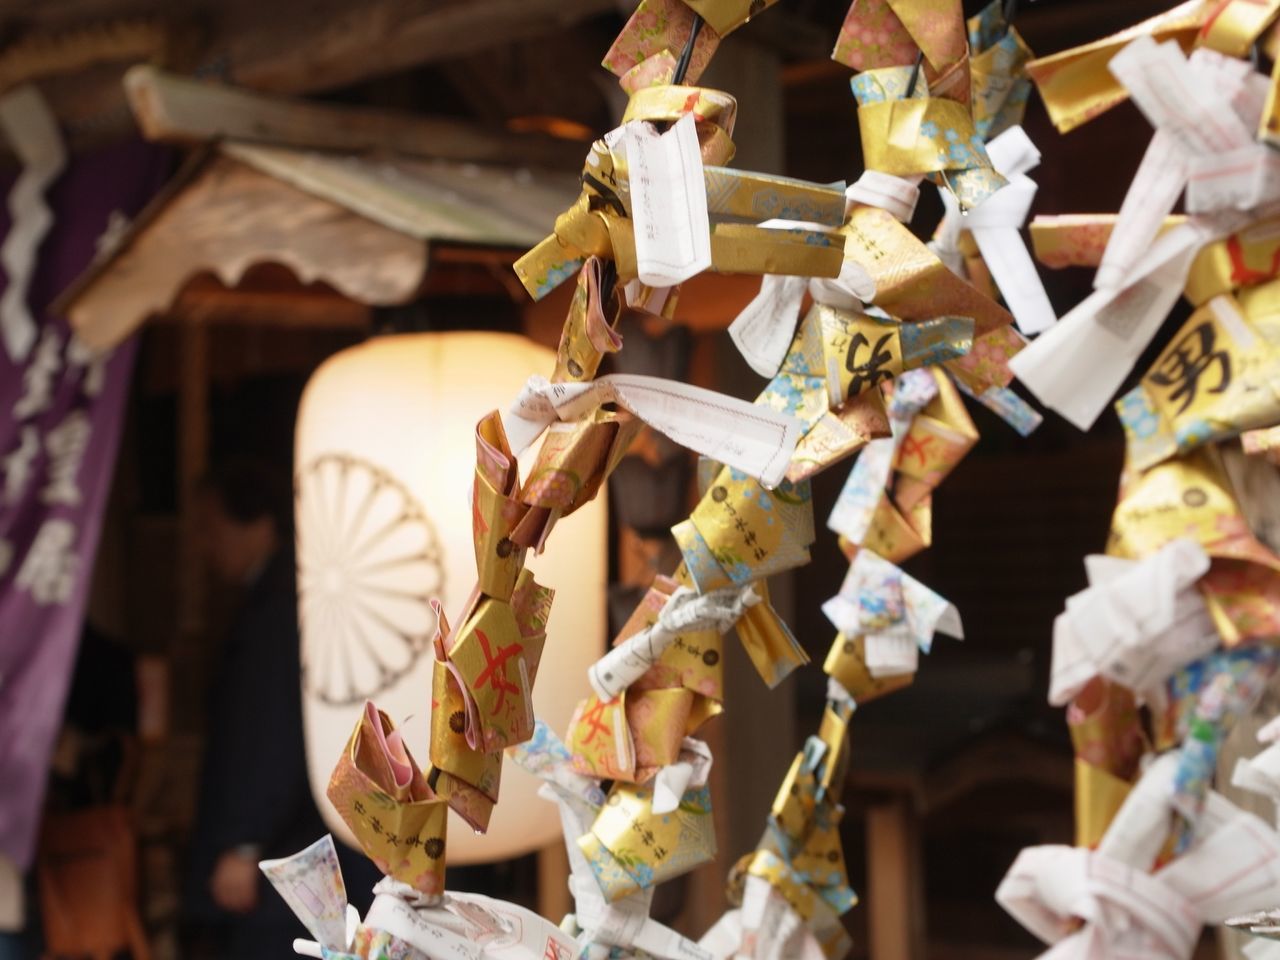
[[1076, 85], [1191, 497], [380, 793], [997, 69], [645, 52], [890, 33], [846, 662], [725, 16], [590, 330], [912, 283], [922, 134], [1217, 377]]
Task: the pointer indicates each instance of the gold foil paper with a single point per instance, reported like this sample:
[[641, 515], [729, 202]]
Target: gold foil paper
[[939, 437], [631, 737], [889, 33], [1234, 26], [398, 821], [800, 854], [468, 779], [1244, 259], [1107, 735], [912, 283], [630, 848], [922, 134], [769, 642], [1218, 376], [834, 433], [590, 331], [997, 70], [741, 532], [575, 459], [725, 16], [1077, 239], [1191, 497], [485, 670], [1076, 85], [846, 662], [496, 511], [659, 27], [598, 223], [1098, 798]]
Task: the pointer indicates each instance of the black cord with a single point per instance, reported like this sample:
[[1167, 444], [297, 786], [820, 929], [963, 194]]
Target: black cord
[[915, 75], [686, 55], [1010, 11]]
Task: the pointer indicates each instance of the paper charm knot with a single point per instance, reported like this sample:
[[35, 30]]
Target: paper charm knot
[[1127, 907]]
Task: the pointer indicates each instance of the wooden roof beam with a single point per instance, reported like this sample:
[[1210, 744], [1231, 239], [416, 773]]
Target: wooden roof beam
[[177, 109], [293, 47]]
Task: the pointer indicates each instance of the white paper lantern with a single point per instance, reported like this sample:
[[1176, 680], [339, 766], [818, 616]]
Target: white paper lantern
[[385, 453]]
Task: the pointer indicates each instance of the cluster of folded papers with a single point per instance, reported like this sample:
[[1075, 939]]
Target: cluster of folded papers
[[1172, 643], [868, 340], [893, 332]]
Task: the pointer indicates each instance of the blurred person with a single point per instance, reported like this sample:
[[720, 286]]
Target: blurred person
[[255, 800]]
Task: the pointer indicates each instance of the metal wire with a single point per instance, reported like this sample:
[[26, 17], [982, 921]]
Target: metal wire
[[686, 55]]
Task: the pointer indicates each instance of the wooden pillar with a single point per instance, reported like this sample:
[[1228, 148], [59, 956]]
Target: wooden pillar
[[553, 882], [895, 881]]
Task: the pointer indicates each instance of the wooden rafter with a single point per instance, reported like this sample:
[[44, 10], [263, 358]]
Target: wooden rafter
[[181, 110], [327, 44]]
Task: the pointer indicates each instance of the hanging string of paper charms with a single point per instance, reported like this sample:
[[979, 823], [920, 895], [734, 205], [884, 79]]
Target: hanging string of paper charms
[[892, 336], [1172, 642]]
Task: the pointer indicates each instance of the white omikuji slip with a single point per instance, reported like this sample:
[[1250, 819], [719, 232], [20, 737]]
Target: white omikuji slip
[[748, 437], [1203, 109], [1136, 624], [1234, 867]]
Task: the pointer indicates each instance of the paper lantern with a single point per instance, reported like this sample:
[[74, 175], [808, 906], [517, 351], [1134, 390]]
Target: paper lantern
[[385, 451]]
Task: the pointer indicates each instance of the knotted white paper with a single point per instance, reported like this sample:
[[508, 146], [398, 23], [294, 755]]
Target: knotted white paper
[[763, 331], [896, 195], [995, 224], [685, 611], [1233, 868], [690, 772], [1077, 366], [756, 440], [896, 615], [1136, 624]]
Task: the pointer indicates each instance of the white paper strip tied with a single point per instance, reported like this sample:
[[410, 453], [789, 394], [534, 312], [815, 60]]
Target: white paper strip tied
[[865, 486], [689, 772], [1136, 624], [756, 440], [896, 195], [766, 927], [1127, 911], [685, 611], [668, 202], [1076, 366], [1261, 773], [896, 614], [624, 923], [467, 926], [32, 132], [996, 224], [763, 331]]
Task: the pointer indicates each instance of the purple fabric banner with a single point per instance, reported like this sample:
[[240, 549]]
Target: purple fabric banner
[[61, 412]]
